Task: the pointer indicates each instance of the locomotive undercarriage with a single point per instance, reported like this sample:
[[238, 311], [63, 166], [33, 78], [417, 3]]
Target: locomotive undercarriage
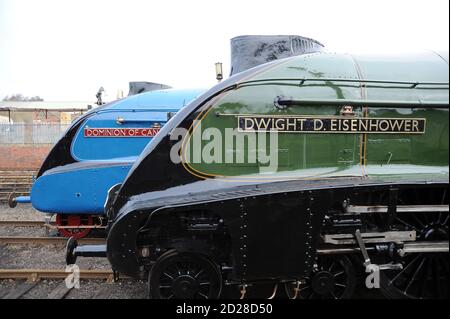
[[398, 234], [78, 226]]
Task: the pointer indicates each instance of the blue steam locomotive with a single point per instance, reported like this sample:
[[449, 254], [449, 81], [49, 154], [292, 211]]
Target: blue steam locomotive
[[95, 153]]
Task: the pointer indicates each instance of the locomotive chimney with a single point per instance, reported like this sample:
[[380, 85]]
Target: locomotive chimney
[[248, 51]]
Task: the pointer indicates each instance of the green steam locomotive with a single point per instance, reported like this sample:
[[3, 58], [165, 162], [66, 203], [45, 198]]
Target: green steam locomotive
[[312, 172]]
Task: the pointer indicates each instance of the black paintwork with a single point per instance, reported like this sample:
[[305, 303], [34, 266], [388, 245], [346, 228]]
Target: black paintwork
[[60, 154], [271, 241], [154, 170]]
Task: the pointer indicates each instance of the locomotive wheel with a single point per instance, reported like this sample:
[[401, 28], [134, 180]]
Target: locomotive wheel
[[424, 275], [74, 221], [334, 278], [184, 276]]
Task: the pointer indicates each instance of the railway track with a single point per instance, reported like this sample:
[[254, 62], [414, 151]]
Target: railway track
[[43, 223], [33, 276], [49, 283], [39, 240], [24, 240], [18, 181], [25, 223], [37, 274]]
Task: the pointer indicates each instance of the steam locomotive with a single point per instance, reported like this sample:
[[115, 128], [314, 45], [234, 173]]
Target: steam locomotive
[[299, 172], [98, 149], [96, 152]]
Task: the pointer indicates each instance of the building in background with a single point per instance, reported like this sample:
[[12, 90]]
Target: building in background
[[28, 130]]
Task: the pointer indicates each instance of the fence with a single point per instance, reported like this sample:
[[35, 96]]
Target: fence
[[23, 133]]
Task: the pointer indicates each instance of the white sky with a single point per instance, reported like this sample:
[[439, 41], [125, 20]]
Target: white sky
[[67, 49]]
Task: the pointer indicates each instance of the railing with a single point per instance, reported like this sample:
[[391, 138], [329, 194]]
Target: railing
[[22, 133]]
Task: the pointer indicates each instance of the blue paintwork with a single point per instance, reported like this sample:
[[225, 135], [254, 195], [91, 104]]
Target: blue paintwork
[[23, 199], [78, 191], [102, 148], [81, 187], [142, 110]]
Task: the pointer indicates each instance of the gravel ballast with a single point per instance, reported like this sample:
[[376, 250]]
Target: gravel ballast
[[35, 256]]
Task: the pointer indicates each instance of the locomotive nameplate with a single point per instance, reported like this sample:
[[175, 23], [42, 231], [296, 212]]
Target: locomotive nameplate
[[120, 132], [323, 124]]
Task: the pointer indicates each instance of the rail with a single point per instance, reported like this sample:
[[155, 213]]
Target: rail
[[36, 274], [25, 240], [24, 223]]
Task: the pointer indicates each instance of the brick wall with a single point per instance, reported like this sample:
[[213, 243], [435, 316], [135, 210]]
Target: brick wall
[[23, 157]]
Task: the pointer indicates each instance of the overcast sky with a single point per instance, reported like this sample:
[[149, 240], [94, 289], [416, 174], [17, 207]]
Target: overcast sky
[[66, 49]]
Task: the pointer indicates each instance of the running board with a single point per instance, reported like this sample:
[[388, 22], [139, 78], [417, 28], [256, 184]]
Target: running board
[[370, 238], [419, 247], [352, 210], [408, 248]]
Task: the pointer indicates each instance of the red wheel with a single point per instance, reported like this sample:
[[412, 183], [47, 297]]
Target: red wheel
[[74, 221]]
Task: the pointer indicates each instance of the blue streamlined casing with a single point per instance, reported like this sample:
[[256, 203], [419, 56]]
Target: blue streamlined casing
[[102, 162], [103, 148], [138, 111], [78, 189]]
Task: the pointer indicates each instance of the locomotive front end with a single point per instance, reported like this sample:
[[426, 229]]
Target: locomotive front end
[[95, 153]]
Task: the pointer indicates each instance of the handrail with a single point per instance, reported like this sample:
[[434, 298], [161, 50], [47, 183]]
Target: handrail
[[363, 82], [283, 102]]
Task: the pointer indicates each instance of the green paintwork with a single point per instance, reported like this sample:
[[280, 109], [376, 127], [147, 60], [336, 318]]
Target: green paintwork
[[302, 155]]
